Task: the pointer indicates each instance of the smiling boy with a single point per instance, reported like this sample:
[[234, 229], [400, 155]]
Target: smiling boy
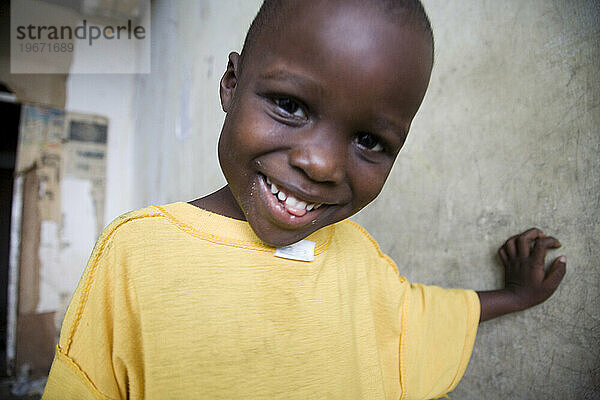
[[323, 117], [192, 300]]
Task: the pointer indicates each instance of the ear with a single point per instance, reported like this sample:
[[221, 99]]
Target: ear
[[229, 81]]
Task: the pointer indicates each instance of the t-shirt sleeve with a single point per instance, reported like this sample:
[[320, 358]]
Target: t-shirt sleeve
[[438, 333], [68, 381], [98, 350]]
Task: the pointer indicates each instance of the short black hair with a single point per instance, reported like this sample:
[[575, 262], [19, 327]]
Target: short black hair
[[272, 13]]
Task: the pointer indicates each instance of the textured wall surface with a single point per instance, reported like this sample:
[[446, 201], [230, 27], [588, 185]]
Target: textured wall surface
[[507, 138], [178, 103]]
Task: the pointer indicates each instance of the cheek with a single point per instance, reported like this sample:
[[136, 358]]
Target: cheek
[[248, 133], [368, 182]]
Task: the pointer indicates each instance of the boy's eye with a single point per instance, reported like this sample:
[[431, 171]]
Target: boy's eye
[[369, 142], [290, 107]]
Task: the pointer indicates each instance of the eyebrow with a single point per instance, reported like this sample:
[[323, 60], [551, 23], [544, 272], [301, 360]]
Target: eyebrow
[[282, 75]]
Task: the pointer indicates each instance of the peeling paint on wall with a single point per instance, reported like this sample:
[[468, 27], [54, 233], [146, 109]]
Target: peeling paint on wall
[[59, 197], [65, 249]]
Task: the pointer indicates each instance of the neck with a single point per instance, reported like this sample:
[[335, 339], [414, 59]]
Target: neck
[[220, 202]]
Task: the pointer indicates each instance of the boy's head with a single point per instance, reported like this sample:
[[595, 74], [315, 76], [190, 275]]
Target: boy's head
[[318, 107], [271, 17]]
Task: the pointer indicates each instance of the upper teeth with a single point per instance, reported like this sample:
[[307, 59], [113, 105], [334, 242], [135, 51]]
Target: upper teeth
[[291, 200]]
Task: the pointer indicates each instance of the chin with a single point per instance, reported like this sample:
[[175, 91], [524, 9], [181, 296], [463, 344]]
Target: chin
[[278, 237]]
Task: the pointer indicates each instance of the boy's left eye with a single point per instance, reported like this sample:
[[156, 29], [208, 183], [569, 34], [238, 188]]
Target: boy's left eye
[[290, 107], [369, 142]]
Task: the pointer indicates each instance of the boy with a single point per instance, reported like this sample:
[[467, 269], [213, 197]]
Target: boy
[[258, 290]]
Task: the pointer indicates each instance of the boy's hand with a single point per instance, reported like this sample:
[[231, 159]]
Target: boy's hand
[[526, 282], [523, 257]]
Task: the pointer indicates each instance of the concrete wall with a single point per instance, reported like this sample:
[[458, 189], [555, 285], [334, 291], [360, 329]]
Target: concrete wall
[[508, 138], [112, 95], [176, 140]]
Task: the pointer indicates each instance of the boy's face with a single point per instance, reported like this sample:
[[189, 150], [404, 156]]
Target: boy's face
[[317, 114]]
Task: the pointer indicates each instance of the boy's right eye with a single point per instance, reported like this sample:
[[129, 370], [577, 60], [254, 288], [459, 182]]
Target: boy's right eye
[[290, 106]]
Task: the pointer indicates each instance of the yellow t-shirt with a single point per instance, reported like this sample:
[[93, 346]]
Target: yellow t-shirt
[[180, 303]]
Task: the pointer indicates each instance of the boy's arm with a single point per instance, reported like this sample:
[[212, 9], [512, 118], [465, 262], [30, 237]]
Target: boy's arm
[[526, 282]]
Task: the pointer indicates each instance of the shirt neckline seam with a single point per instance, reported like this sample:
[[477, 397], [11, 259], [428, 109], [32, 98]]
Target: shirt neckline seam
[[187, 228]]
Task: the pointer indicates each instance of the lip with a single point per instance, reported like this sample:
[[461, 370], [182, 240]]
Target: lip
[[277, 212]]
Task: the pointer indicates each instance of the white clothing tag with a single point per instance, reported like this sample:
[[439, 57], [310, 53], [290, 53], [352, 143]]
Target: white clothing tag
[[303, 250]]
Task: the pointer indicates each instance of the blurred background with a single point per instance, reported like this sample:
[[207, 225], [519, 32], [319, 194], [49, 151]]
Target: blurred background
[[507, 138]]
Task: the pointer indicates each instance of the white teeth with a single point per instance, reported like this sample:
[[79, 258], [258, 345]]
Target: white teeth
[[291, 200]]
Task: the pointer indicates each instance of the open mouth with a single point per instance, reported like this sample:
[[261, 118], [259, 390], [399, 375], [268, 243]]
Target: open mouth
[[292, 205]]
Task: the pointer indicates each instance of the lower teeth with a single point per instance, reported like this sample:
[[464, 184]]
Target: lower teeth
[[282, 199]]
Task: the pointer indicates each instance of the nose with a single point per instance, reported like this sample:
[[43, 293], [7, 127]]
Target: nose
[[322, 160]]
